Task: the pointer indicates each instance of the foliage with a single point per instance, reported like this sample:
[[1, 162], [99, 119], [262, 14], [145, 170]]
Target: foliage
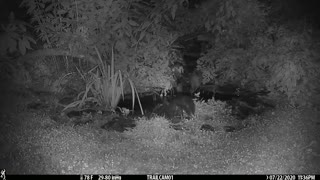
[[233, 21], [7, 69], [248, 53], [233, 24], [242, 49], [284, 66], [14, 42], [153, 69], [215, 110], [290, 66], [134, 28], [106, 87], [14, 37]]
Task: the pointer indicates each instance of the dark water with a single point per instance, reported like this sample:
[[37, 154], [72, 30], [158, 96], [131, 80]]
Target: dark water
[[243, 103]]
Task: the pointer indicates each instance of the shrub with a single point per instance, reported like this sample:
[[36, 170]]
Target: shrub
[[214, 109]]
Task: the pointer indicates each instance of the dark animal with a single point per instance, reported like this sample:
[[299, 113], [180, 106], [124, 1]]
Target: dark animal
[[184, 103], [188, 84], [176, 108]]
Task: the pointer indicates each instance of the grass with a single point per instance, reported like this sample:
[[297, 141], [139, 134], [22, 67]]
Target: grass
[[285, 141]]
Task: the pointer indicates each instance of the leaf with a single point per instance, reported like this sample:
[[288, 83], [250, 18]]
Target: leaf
[[22, 47], [50, 16], [121, 45], [173, 10], [61, 12], [133, 23], [14, 35], [65, 4], [26, 43], [12, 45], [145, 24], [49, 8], [116, 26], [128, 32], [142, 34], [30, 39], [42, 5], [31, 9]]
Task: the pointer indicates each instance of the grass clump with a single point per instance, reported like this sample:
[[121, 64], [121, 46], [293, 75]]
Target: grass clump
[[155, 132]]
